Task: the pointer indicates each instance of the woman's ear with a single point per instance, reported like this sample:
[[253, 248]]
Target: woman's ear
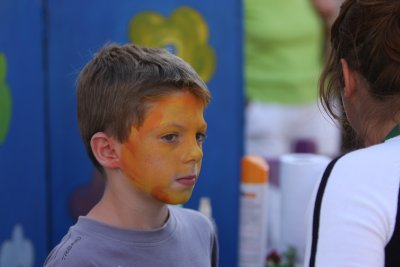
[[350, 79], [106, 150]]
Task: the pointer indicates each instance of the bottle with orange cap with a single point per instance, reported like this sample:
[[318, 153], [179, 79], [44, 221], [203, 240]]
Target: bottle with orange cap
[[253, 212]]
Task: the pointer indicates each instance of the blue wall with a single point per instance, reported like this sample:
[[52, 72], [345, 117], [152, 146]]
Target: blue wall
[[23, 146], [47, 44]]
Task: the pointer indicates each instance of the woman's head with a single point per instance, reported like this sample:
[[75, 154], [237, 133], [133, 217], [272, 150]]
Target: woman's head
[[366, 34]]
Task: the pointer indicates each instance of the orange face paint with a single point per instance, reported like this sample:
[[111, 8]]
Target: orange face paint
[[163, 156]]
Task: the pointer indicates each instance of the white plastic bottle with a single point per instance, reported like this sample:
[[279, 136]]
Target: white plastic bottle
[[253, 212]]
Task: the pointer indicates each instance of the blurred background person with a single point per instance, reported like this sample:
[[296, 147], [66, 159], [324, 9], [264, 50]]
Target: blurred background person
[[285, 47], [284, 53]]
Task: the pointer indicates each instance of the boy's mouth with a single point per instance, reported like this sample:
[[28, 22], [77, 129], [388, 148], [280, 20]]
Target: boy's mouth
[[189, 180]]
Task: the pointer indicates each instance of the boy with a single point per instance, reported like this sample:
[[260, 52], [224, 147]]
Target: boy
[[140, 113]]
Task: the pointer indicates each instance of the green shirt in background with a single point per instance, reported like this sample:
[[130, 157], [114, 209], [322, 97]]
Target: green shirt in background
[[283, 51]]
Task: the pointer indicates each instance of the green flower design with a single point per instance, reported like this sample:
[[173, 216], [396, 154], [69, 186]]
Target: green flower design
[[185, 32], [5, 100]]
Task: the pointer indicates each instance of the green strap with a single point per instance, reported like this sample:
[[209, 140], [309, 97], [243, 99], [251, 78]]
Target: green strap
[[394, 132]]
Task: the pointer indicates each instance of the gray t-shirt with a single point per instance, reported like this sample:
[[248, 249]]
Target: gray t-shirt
[[187, 239]]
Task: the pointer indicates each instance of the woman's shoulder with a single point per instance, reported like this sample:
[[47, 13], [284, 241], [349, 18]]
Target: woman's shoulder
[[380, 155], [373, 172]]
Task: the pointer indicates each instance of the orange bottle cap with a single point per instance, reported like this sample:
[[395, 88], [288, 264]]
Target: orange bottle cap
[[255, 170]]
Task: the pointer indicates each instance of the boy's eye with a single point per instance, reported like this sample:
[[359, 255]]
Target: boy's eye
[[200, 137], [170, 138]]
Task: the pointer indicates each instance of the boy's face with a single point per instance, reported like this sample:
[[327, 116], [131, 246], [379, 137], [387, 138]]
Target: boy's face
[[163, 156]]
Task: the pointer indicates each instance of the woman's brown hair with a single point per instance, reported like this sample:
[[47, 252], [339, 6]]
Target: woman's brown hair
[[367, 35]]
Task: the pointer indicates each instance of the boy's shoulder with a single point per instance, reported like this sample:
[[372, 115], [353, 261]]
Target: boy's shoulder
[[83, 245], [92, 243], [69, 251], [188, 214], [191, 218]]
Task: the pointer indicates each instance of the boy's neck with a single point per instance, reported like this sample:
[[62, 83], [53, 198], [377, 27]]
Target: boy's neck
[[123, 206]]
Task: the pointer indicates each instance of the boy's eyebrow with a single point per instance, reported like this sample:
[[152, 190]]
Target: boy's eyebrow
[[180, 126]]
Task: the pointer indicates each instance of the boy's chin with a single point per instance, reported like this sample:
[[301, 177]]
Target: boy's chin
[[177, 200]]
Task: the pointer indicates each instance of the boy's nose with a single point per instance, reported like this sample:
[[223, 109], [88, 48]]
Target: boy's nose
[[193, 153]]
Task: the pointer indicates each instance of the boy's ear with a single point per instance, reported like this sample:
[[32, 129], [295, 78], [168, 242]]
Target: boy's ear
[[106, 150], [350, 79]]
